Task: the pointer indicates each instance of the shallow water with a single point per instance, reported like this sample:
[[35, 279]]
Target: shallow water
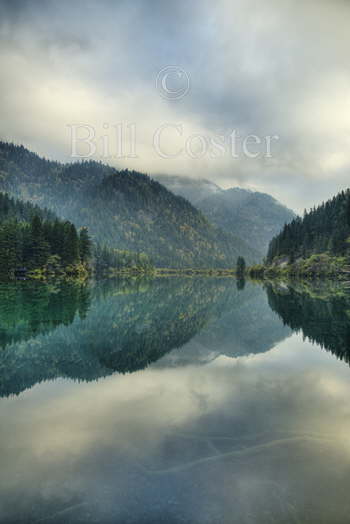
[[174, 400]]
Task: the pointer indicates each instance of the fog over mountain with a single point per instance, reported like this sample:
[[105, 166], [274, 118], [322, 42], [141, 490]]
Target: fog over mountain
[[122, 209], [260, 68], [256, 217], [194, 189]]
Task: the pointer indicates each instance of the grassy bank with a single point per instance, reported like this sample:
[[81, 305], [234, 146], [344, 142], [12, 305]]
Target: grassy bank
[[168, 272], [315, 266], [81, 272], [77, 271]]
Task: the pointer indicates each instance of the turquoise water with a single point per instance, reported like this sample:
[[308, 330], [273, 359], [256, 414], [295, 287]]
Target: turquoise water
[[174, 400]]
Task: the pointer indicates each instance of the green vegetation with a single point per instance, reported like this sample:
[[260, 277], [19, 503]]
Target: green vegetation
[[325, 229], [36, 244], [255, 217], [321, 265], [191, 272], [110, 262], [250, 215], [123, 210], [313, 246]]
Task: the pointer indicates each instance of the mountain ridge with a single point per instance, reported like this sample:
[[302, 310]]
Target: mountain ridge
[[255, 216], [123, 209]]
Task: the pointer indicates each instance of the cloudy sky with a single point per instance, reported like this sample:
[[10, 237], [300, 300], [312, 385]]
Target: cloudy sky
[[270, 69]]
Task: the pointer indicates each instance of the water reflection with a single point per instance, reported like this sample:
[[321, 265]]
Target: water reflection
[[30, 308], [123, 326], [321, 311], [252, 426]]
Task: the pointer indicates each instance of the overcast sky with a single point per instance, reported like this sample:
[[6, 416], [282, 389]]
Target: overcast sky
[[275, 68]]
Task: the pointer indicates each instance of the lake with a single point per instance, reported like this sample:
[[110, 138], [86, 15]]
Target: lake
[[175, 400]]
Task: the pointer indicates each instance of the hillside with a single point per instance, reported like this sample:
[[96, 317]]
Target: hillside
[[324, 229], [33, 239], [255, 216], [122, 209], [35, 243], [251, 215]]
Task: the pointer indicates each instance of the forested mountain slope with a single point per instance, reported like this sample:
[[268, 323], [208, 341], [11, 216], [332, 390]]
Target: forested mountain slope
[[255, 216], [123, 209], [251, 215], [32, 238], [325, 228]]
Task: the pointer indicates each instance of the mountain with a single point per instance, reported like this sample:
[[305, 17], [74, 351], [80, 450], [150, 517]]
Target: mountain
[[324, 229], [123, 209], [256, 217], [192, 189], [33, 239]]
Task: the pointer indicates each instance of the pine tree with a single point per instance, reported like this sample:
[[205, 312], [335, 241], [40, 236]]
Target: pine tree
[[84, 245], [325, 228], [70, 255], [39, 249], [8, 259]]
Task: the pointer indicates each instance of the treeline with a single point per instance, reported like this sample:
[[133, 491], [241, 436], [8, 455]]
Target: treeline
[[11, 208], [124, 210], [108, 259], [32, 240], [325, 228]]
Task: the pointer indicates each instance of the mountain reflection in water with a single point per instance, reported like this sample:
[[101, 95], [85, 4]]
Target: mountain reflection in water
[[83, 333], [174, 400]]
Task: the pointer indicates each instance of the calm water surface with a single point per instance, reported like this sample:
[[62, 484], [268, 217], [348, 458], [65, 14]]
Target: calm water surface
[[174, 400]]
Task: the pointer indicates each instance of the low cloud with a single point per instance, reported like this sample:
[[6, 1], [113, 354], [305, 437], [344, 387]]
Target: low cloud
[[261, 69]]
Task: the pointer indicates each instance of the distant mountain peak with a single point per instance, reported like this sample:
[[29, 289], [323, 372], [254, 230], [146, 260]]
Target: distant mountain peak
[[243, 212], [193, 189]]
